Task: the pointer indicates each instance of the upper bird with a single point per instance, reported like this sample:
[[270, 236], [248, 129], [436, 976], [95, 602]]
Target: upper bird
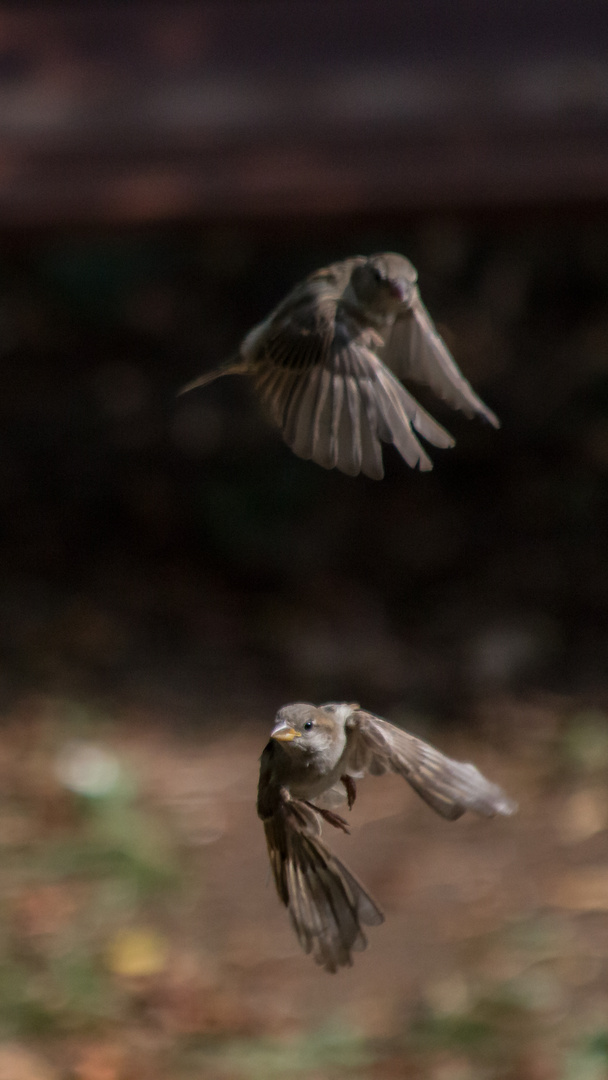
[[315, 755], [324, 363]]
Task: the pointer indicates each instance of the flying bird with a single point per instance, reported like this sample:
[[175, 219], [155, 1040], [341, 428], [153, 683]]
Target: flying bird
[[327, 364], [311, 763]]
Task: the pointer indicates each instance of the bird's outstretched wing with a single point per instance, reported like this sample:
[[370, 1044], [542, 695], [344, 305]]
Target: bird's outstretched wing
[[449, 787], [327, 904], [333, 399], [414, 350]]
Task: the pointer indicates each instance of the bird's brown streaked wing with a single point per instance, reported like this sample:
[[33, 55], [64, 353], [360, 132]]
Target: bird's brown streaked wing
[[299, 332], [414, 350], [334, 401], [326, 903], [449, 787]]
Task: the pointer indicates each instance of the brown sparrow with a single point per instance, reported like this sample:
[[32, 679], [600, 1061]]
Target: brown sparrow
[[324, 363], [314, 756]]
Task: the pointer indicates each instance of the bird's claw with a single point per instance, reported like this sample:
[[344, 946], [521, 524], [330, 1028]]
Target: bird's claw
[[329, 816], [351, 790]]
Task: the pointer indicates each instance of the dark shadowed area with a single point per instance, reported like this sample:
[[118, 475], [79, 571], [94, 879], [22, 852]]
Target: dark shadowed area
[[171, 574]]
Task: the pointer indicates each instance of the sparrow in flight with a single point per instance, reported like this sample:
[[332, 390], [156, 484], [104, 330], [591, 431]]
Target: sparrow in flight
[[312, 761], [327, 364]]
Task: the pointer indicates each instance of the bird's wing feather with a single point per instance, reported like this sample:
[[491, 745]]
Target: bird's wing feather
[[449, 787], [333, 398], [414, 350]]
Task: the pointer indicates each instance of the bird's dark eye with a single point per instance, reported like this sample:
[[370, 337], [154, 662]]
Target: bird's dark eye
[[308, 725]]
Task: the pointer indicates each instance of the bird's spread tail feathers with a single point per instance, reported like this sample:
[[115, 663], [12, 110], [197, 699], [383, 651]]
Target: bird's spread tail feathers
[[327, 904], [234, 366]]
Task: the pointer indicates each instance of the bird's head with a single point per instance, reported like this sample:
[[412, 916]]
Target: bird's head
[[304, 729], [383, 283]]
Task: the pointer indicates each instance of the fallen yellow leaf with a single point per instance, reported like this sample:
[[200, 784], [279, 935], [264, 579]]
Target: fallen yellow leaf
[[134, 953]]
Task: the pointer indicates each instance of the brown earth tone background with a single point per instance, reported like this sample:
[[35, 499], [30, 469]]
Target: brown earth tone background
[[170, 574]]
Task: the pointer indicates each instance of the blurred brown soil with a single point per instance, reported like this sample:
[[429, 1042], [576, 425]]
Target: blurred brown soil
[[495, 930]]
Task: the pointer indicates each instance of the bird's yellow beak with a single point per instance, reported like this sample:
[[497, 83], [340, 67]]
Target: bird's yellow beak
[[284, 733]]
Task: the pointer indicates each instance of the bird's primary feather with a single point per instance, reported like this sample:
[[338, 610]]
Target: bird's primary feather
[[414, 350], [449, 787]]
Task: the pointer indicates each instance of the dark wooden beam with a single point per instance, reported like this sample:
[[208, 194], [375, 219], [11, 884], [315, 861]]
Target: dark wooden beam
[[142, 111]]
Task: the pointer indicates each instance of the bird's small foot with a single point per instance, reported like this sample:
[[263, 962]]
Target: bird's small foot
[[329, 816], [351, 790]]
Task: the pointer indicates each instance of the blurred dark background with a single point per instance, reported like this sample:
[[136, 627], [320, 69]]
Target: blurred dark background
[[168, 172]]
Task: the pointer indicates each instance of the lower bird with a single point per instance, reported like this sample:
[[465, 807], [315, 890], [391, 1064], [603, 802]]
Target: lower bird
[[313, 760], [327, 363]]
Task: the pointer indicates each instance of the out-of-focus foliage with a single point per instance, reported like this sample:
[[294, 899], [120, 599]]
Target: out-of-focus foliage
[[80, 859]]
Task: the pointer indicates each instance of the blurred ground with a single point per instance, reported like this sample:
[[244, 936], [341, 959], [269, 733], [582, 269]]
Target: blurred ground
[[142, 937]]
